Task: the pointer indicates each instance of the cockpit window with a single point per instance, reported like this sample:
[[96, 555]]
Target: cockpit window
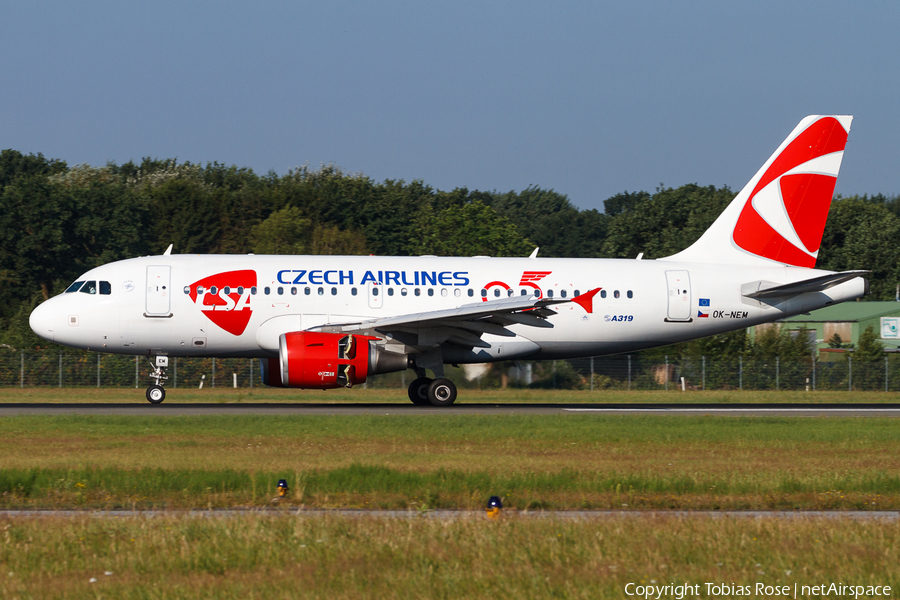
[[90, 287], [74, 287], [105, 288]]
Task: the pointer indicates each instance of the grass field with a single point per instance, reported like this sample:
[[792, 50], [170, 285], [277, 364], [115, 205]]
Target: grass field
[[254, 556], [440, 460], [450, 461], [466, 396]]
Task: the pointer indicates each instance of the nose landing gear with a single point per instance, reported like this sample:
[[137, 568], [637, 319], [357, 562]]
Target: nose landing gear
[[156, 393]]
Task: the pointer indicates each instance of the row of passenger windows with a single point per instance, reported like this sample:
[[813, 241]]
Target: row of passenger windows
[[307, 291], [90, 287]]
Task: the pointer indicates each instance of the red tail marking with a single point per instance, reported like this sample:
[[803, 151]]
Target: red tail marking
[[806, 197], [799, 191], [586, 300]]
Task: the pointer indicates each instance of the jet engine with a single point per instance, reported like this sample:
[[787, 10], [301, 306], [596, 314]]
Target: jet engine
[[318, 360]]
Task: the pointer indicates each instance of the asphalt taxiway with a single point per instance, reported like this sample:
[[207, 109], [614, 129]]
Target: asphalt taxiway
[[184, 409]]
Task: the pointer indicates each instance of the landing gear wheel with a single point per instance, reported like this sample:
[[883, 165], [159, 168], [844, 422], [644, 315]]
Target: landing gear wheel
[[442, 392], [156, 394], [418, 391]]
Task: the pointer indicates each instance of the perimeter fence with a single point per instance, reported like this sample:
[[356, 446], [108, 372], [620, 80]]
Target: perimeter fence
[[62, 369]]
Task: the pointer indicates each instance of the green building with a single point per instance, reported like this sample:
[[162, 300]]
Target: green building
[[848, 320]]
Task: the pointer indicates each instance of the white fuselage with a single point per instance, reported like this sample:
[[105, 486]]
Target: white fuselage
[[153, 305]]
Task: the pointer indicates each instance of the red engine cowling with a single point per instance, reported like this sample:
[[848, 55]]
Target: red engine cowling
[[316, 360]]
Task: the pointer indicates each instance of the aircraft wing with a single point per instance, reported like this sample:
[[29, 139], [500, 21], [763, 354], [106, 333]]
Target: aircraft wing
[[766, 290], [464, 325]]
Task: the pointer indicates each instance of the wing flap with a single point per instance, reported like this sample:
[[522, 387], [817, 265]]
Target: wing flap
[[464, 325]]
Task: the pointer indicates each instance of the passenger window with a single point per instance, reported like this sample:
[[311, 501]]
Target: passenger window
[[457, 292], [549, 293], [616, 294], [352, 291], [281, 291], [105, 288], [524, 292], [418, 292], [390, 291], [240, 290], [89, 287], [334, 291], [537, 293], [187, 289], [293, 291], [306, 291], [402, 291], [603, 293], [630, 294], [200, 290], [484, 293], [213, 290], [227, 290], [444, 292], [374, 291], [471, 292], [497, 293], [266, 290], [577, 293], [562, 294], [253, 291], [431, 291], [74, 287], [321, 291], [510, 292]]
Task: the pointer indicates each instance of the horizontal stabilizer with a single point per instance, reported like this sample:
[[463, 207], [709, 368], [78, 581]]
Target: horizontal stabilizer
[[763, 290]]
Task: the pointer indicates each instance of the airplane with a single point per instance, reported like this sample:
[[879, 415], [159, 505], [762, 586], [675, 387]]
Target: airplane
[[321, 322]]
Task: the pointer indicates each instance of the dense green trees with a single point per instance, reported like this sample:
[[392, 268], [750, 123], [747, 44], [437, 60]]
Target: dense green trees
[[57, 221], [863, 233]]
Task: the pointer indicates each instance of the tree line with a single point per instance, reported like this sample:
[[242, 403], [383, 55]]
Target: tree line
[[58, 221]]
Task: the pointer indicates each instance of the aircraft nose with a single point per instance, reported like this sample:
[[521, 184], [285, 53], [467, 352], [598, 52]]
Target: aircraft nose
[[41, 321]]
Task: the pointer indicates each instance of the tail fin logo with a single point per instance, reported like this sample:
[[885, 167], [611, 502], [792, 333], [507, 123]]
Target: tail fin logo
[[784, 216], [225, 299]]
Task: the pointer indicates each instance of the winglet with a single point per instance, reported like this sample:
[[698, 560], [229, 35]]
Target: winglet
[[586, 300]]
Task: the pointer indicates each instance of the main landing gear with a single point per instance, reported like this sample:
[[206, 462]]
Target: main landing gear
[[156, 393], [437, 392]]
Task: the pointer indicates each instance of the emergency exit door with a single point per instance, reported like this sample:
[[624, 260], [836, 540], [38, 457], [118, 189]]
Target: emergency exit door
[[679, 284], [159, 292]]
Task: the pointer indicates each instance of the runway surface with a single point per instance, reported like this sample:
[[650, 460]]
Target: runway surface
[[584, 410]]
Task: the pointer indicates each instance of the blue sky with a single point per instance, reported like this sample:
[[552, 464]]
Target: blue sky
[[587, 98]]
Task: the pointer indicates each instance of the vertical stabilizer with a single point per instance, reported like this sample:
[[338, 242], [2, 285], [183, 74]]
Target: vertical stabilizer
[[779, 216]]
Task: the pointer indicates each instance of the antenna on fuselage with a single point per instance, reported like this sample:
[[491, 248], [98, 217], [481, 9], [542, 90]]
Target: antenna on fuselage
[[168, 250], [534, 254]]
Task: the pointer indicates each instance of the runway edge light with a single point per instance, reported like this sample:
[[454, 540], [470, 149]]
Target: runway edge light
[[494, 506], [282, 488]]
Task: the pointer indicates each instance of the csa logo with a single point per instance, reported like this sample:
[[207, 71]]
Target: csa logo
[[225, 299]]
